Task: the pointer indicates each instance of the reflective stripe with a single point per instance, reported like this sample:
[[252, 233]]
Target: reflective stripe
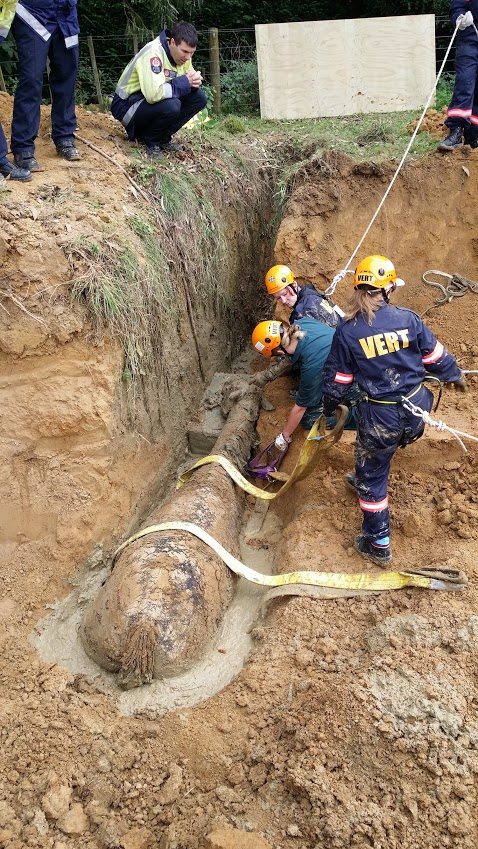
[[4, 32], [374, 506], [129, 115], [167, 90], [383, 542], [127, 74], [459, 113], [435, 355], [71, 41], [474, 119], [32, 22], [343, 378]]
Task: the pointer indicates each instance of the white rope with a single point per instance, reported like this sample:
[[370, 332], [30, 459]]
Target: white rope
[[331, 289], [440, 426], [468, 371]]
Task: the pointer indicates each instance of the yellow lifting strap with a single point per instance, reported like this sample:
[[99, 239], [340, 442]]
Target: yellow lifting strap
[[316, 443], [431, 579]]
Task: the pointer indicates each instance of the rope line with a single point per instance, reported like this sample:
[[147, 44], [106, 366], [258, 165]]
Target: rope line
[[338, 277], [456, 288], [439, 425]]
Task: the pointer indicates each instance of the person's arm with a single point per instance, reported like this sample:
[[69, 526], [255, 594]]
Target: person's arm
[[7, 13], [459, 8], [150, 69], [338, 374], [436, 359]]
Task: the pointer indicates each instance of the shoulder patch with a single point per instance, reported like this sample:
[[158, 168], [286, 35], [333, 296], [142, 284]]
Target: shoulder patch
[[156, 64]]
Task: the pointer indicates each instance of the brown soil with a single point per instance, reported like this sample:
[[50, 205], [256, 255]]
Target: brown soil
[[353, 723]]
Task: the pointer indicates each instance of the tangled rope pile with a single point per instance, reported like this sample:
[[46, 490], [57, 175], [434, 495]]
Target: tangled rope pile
[[455, 288]]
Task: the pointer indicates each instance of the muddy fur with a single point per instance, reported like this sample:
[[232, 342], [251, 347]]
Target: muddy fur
[[161, 605]]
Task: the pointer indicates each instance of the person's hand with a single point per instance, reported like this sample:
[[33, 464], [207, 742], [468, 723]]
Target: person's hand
[[465, 20], [459, 384], [330, 406], [281, 442], [195, 78]]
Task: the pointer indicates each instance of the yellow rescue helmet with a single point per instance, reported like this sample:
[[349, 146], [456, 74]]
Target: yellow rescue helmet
[[266, 337], [376, 272], [277, 278]]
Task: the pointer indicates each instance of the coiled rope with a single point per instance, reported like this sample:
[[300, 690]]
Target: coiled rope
[[456, 288], [341, 274], [439, 425]]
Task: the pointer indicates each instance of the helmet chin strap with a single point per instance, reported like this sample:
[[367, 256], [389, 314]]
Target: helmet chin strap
[[387, 292]]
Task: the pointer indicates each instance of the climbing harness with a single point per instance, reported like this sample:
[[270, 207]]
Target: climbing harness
[[316, 442], [340, 583], [341, 274], [440, 426], [456, 288], [429, 378], [266, 462]]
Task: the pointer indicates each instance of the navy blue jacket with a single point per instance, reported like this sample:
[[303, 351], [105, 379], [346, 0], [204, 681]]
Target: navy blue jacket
[[312, 304], [388, 359], [43, 17]]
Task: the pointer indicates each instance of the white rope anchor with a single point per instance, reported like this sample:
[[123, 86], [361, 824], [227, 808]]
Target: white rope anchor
[[340, 276], [440, 426]]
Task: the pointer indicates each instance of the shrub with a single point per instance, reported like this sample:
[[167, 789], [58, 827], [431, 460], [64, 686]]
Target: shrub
[[240, 89]]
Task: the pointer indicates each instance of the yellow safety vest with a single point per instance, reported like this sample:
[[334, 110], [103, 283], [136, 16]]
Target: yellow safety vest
[[7, 13], [149, 72]]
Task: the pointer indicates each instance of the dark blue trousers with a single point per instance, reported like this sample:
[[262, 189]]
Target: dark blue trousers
[[156, 123], [382, 428], [3, 145], [32, 56], [463, 108]]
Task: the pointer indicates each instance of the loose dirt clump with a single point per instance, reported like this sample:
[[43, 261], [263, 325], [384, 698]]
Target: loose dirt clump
[[353, 723]]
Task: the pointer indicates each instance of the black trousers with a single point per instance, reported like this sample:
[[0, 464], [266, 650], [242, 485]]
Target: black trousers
[[156, 123]]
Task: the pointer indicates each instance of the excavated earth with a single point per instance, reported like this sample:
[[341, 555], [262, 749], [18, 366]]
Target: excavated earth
[[353, 722]]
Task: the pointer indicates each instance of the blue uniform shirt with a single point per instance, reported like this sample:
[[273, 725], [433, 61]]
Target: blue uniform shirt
[[312, 304], [388, 358], [310, 356]]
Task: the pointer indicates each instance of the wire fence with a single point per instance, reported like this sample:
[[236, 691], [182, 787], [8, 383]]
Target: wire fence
[[111, 55]]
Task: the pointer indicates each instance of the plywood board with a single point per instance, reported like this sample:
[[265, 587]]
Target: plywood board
[[332, 68]]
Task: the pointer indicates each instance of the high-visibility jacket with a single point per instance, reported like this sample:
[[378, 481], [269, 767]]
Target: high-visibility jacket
[[44, 16], [7, 13], [151, 76]]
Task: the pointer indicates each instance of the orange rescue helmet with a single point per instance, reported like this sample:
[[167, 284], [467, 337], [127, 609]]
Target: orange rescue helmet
[[266, 337], [277, 278], [376, 272]]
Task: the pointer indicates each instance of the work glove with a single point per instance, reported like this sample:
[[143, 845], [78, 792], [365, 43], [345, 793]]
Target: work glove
[[330, 406], [465, 20], [459, 384], [281, 442]]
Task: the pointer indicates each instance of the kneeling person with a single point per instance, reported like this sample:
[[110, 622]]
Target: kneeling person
[[305, 301], [159, 91]]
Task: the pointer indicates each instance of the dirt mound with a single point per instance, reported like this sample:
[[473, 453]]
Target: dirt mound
[[354, 722]]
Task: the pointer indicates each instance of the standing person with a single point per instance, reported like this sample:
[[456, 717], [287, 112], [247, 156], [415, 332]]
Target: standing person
[[462, 117], [388, 351], [159, 91], [45, 29], [7, 170], [307, 343], [305, 301]]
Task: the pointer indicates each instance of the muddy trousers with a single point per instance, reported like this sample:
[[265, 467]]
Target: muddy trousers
[[463, 108], [3, 146], [156, 123], [33, 53], [381, 430]]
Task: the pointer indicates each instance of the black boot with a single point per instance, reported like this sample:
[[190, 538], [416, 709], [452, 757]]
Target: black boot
[[380, 554], [26, 161], [471, 140], [67, 150], [454, 139], [12, 172]]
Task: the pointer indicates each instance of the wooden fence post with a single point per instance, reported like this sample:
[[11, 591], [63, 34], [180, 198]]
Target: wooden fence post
[[135, 44], [215, 68], [95, 73], [2, 81]]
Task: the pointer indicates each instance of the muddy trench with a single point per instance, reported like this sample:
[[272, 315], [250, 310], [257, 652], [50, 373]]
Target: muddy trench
[[339, 723]]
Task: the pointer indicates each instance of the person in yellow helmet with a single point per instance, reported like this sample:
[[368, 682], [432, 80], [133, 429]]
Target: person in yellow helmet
[[305, 301], [307, 343], [388, 351], [8, 171]]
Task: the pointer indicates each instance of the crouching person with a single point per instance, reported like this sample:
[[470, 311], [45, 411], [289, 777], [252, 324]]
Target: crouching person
[[159, 91], [307, 344], [388, 351]]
